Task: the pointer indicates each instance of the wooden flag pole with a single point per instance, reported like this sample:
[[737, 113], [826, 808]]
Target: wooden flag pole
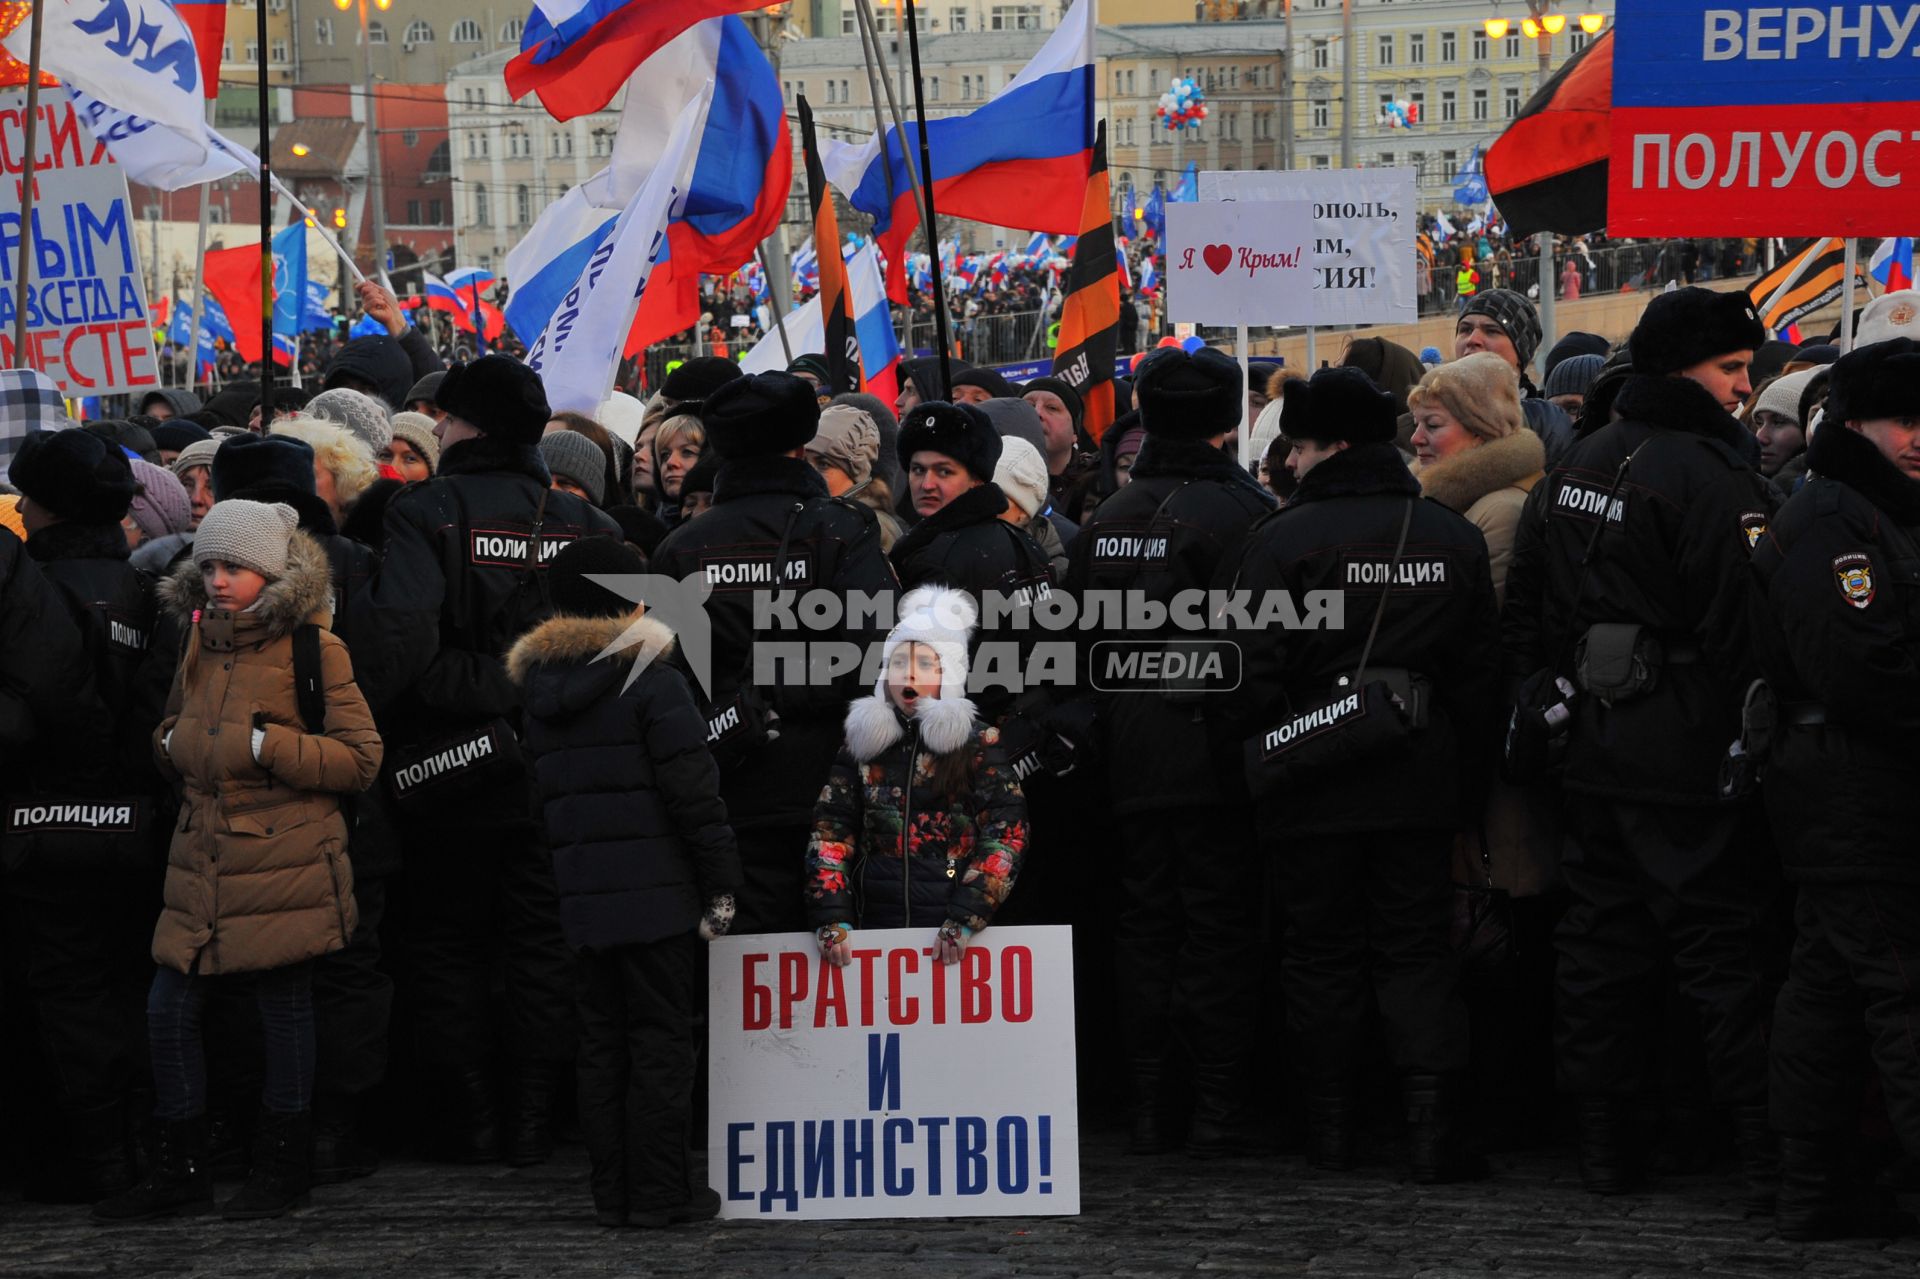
[[26, 193]]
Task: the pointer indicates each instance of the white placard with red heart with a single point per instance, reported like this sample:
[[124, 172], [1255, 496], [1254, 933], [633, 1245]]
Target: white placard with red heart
[[1241, 262]]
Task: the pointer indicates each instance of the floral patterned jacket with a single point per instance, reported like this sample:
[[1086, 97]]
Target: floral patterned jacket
[[962, 854]]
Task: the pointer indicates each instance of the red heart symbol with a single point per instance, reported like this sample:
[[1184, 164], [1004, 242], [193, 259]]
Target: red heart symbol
[[1219, 257]]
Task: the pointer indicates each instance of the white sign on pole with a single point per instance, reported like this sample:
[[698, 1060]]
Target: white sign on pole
[[1363, 237], [896, 1086], [1240, 262], [87, 326]]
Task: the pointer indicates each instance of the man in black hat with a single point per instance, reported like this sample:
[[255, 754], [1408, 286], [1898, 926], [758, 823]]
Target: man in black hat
[[1838, 640], [1363, 847], [1188, 923], [1630, 579], [463, 577], [767, 494]]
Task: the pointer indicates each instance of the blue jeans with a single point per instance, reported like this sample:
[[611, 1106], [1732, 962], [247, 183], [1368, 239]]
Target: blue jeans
[[174, 1008]]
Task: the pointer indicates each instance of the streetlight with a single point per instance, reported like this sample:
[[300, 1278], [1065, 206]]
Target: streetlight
[[1592, 22], [1497, 28], [374, 195]]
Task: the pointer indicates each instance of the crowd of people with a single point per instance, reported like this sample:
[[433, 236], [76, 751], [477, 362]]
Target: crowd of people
[[343, 783]]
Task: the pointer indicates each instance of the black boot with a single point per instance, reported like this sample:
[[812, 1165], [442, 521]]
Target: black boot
[[473, 1125], [96, 1164], [338, 1153], [178, 1182], [530, 1134], [1609, 1155], [1759, 1160], [1154, 1132], [1330, 1122], [227, 1140], [1436, 1151], [279, 1180], [1222, 1128], [704, 1206], [1818, 1200]]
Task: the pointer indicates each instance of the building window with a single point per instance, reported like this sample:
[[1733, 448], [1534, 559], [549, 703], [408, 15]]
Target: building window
[[413, 213], [933, 88], [1449, 47], [1131, 83], [1322, 113], [1386, 159], [253, 49], [1322, 55], [1417, 48], [1418, 159], [323, 30], [1479, 46], [956, 19], [410, 138], [1479, 104], [1510, 104], [420, 31], [1513, 46], [279, 51], [436, 213], [522, 205], [1449, 106], [1322, 162], [1385, 46], [510, 30], [466, 31], [1580, 41], [376, 33], [1418, 101], [848, 23], [1014, 17], [1153, 80], [481, 214], [1449, 165]]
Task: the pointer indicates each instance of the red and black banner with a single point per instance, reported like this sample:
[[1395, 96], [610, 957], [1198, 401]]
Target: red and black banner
[[836, 299], [1090, 316], [1548, 171]]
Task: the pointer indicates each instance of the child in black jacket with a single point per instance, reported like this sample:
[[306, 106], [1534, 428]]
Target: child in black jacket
[[643, 858]]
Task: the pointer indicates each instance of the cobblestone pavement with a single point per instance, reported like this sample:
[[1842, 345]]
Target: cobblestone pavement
[[1142, 1217]]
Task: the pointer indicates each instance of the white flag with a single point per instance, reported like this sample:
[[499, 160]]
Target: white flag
[[134, 55], [579, 353], [157, 155]]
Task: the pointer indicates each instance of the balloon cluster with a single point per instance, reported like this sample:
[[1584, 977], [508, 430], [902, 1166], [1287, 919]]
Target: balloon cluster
[[1400, 115], [1183, 105]]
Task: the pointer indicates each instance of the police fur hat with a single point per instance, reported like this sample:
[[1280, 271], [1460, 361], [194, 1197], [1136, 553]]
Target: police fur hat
[[1881, 380], [567, 577], [1339, 404], [699, 378], [1189, 397], [761, 413], [499, 395], [255, 464], [75, 474], [1684, 327], [960, 431]]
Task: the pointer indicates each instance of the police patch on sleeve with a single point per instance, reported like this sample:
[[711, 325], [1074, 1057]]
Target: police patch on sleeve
[[1754, 525], [1853, 574]]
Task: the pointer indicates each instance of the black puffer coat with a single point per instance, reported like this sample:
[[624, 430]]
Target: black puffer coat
[[1836, 630], [628, 789]]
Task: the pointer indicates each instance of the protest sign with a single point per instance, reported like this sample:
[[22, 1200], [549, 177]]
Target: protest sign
[[1241, 262], [1362, 246], [87, 325], [1763, 120], [896, 1086]]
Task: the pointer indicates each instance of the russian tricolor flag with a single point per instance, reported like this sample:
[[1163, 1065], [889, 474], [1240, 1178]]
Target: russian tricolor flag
[[575, 54], [1023, 156], [1892, 263], [872, 325]]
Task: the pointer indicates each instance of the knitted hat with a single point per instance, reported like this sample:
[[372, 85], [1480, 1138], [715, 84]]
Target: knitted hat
[[960, 431], [1575, 343], [1816, 353], [759, 414], [198, 453], [996, 386], [425, 389], [1572, 375], [1771, 358], [1891, 315], [1515, 316], [811, 365], [176, 433], [1016, 420], [1480, 391], [623, 416], [1783, 394], [359, 413], [250, 463], [1339, 404], [1069, 396], [162, 505], [29, 401], [1022, 475], [417, 430], [848, 440], [75, 474], [699, 378], [247, 534], [573, 456], [942, 618], [499, 395], [568, 574], [1882, 380], [1188, 397], [1682, 328]]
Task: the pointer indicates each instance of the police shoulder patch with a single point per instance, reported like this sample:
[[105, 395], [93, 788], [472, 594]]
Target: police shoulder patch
[[1754, 525], [1853, 575]]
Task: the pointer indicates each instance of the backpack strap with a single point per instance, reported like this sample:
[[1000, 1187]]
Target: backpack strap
[[307, 690]]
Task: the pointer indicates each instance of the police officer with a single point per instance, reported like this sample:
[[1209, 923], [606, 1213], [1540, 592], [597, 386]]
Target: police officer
[[1360, 785], [1836, 624], [1188, 928], [767, 494], [82, 899], [463, 576], [1630, 578]]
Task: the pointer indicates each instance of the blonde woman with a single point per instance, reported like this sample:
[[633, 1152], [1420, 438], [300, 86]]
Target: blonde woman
[[676, 447], [343, 466]]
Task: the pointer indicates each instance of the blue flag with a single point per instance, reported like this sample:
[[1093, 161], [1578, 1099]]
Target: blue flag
[[1188, 192], [1155, 214], [289, 280]]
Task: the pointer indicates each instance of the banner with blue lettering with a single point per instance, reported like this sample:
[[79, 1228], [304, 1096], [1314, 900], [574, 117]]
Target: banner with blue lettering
[[87, 325], [1764, 119], [897, 1086]]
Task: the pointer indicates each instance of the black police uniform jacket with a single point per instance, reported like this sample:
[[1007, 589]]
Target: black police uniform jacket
[[1673, 557], [1337, 533], [835, 546], [966, 545], [1186, 510], [1836, 629], [452, 592]]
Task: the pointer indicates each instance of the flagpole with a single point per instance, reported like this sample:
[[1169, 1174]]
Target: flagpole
[[479, 320], [773, 301], [1848, 267], [266, 219], [197, 312], [865, 17], [873, 95], [31, 129], [1246, 375], [926, 189]]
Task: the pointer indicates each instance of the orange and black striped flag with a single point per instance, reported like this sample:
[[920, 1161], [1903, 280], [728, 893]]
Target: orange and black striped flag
[[1812, 276], [1548, 171], [1090, 317], [836, 299]]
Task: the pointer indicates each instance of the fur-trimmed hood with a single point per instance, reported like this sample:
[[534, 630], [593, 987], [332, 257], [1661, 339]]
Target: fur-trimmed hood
[[1512, 461], [304, 593], [943, 619], [874, 726], [568, 641]]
